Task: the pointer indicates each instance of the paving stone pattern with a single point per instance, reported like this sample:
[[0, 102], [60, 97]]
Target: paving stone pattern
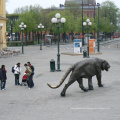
[[44, 103]]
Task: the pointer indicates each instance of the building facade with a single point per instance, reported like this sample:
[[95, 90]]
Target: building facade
[[3, 21], [89, 6]]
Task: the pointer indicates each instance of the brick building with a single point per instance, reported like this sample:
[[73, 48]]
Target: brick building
[[89, 6]]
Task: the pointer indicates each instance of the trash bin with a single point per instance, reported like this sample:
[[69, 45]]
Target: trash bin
[[16, 44], [52, 65], [84, 54]]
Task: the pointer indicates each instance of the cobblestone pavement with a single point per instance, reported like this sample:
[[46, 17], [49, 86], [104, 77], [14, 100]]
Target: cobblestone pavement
[[44, 103]]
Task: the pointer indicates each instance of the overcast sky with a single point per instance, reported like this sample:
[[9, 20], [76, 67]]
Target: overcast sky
[[11, 5]]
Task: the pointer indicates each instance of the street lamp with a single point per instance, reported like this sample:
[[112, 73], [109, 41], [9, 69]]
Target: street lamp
[[22, 26], [94, 19], [82, 25], [40, 26], [56, 21], [1, 25], [98, 49], [105, 23], [88, 24], [113, 24]]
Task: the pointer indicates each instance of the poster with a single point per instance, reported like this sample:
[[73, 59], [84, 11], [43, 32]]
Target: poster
[[77, 46]]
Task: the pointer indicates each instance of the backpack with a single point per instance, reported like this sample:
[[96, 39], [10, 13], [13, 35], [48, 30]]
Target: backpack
[[32, 67], [13, 69], [0, 74]]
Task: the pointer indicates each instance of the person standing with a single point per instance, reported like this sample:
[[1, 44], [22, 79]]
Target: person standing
[[32, 68], [3, 77], [29, 74], [17, 73]]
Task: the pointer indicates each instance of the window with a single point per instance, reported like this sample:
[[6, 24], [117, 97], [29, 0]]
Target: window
[[87, 14]]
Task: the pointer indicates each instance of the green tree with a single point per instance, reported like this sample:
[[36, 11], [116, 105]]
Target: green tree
[[75, 9], [108, 13], [30, 16], [118, 21]]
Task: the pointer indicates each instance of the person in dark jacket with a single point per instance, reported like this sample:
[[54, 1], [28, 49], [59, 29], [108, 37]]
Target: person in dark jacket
[[3, 77], [32, 68], [29, 74]]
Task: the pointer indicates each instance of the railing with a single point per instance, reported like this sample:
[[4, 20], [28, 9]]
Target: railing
[[19, 43]]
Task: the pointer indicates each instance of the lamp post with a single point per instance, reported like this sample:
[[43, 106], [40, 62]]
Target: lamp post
[[22, 26], [26, 37], [1, 25], [105, 22], [94, 20], [112, 31], [98, 49], [88, 24], [56, 21], [82, 25], [40, 26], [113, 24]]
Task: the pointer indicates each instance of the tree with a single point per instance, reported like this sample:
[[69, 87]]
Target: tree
[[108, 12], [75, 9], [30, 16], [12, 18], [118, 21]]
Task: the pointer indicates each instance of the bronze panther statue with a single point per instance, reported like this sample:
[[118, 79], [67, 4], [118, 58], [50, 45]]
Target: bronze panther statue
[[84, 69]]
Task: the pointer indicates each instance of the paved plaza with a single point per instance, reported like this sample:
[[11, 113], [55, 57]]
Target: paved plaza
[[44, 103]]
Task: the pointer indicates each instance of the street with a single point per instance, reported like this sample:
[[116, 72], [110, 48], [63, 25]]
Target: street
[[44, 103]]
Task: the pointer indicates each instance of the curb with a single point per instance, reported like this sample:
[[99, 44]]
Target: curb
[[80, 53]]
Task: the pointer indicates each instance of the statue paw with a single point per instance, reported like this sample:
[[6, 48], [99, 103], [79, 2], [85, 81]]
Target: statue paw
[[85, 90], [62, 94], [91, 88], [100, 85]]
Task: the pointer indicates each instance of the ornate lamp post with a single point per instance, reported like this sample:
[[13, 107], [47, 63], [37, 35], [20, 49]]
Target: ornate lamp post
[[22, 26], [1, 25], [105, 22], [82, 25], [113, 24], [98, 4], [40, 26], [56, 21], [88, 24]]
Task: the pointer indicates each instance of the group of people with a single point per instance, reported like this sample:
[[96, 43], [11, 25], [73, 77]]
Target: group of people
[[17, 71]]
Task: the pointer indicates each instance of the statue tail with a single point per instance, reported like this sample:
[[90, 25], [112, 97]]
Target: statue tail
[[63, 79]]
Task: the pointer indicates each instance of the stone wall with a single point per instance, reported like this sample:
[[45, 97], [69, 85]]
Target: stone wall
[[3, 21]]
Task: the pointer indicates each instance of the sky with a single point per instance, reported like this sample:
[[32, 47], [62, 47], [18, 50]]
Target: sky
[[11, 5]]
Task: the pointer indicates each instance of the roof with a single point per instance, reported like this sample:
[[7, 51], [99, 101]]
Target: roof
[[92, 2]]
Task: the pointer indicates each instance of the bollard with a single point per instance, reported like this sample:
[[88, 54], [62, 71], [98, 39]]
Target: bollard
[[84, 54], [16, 44], [52, 65]]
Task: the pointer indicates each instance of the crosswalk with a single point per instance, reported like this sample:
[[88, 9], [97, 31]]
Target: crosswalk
[[68, 48], [71, 47]]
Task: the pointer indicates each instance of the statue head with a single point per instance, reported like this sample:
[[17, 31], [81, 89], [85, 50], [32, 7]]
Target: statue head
[[105, 65]]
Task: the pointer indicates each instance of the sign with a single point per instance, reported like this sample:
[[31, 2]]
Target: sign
[[91, 45], [77, 46], [48, 39], [82, 36]]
